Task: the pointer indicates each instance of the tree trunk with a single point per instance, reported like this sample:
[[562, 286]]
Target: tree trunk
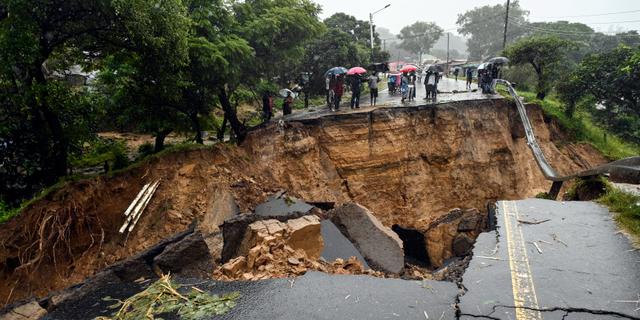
[[223, 129], [230, 114], [540, 90], [306, 98], [60, 143], [196, 128], [160, 136]]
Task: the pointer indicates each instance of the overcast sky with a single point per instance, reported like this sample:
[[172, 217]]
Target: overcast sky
[[445, 12]]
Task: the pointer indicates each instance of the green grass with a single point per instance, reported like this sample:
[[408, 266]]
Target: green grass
[[7, 212], [582, 128], [627, 209]]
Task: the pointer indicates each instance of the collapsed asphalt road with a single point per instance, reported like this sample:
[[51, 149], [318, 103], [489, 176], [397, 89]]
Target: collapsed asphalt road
[[545, 260], [312, 296]]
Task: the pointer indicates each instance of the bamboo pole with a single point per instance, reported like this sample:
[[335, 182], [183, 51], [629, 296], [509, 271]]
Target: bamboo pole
[[153, 191], [135, 201], [137, 208]]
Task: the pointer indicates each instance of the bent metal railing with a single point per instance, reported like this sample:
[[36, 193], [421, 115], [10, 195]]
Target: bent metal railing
[[626, 169]]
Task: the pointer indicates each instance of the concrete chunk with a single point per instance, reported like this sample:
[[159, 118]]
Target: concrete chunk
[[305, 233], [336, 245], [380, 246]]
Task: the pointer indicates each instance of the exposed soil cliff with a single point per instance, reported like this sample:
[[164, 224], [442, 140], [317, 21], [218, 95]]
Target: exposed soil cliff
[[408, 165]]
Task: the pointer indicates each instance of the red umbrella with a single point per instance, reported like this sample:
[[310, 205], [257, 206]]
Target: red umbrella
[[356, 70], [409, 68]]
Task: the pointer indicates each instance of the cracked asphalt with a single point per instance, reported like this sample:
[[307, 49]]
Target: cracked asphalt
[[545, 260], [578, 264]]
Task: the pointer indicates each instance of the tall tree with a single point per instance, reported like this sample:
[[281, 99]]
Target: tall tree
[[419, 37], [333, 48], [612, 80], [544, 54], [360, 34], [276, 31], [485, 28], [33, 34]]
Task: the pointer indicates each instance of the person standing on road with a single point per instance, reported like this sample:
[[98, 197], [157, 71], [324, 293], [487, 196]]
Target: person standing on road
[[469, 78], [430, 82], [373, 88], [338, 90], [286, 104], [404, 86], [267, 106], [456, 71], [327, 84], [412, 86], [495, 74], [356, 84]]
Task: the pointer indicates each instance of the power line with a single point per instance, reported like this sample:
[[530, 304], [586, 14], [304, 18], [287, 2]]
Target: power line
[[589, 15], [566, 33], [612, 22]]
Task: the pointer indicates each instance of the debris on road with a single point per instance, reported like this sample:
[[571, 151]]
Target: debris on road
[[533, 222], [163, 297], [274, 258]]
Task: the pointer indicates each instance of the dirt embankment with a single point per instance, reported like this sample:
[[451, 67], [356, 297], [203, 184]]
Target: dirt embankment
[[408, 165]]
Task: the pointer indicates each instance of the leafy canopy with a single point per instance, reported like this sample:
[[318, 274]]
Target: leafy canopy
[[485, 28], [419, 37], [543, 53]]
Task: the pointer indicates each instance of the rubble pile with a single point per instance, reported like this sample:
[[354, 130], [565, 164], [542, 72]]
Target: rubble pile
[[274, 258]]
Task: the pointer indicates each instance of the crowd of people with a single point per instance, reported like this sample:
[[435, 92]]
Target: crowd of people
[[335, 85], [404, 82]]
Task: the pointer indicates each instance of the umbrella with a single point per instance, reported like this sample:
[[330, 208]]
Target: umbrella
[[335, 71], [284, 92], [499, 60], [482, 66], [356, 70], [408, 68]]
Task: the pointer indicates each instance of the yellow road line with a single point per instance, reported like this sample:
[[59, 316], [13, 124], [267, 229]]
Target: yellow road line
[[524, 293]]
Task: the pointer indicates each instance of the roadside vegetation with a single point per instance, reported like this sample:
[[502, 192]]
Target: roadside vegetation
[[624, 205], [582, 128], [627, 209]]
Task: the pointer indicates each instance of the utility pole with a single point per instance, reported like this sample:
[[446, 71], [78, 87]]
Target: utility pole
[[506, 23], [371, 28], [447, 70], [371, 32]]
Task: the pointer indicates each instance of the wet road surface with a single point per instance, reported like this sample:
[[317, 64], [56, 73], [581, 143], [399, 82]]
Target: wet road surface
[[552, 259], [314, 295], [450, 91], [321, 296]]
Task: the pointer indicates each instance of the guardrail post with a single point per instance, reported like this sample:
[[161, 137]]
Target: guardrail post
[[555, 189]]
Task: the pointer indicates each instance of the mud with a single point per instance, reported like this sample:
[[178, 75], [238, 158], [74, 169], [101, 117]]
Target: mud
[[408, 165]]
